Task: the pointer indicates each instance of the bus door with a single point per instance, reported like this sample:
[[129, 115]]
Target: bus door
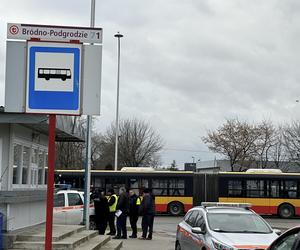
[[256, 193], [274, 194]]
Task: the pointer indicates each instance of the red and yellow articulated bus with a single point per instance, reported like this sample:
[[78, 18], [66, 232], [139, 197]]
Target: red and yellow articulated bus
[[177, 191]]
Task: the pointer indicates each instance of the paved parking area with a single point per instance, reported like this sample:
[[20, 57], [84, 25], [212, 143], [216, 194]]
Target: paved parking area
[[159, 242], [165, 232]]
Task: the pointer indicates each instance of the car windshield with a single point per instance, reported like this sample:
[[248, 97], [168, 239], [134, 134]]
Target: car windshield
[[237, 223]]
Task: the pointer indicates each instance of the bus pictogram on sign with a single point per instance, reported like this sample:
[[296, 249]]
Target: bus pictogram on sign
[[55, 73]]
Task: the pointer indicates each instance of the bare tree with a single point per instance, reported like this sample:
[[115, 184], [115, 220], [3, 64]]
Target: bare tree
[[139, 145], [278, 152], [266, 140], [70, 155], [173, 166], [291, 140], [96, 149], [235, 140]]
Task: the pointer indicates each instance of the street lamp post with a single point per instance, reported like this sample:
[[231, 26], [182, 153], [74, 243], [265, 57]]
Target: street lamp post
[[119, 36]]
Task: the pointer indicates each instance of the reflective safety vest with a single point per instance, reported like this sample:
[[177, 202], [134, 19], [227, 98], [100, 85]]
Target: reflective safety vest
[[113, 207], [138, 201]]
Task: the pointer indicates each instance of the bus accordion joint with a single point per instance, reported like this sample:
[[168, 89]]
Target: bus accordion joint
[[226, 204]]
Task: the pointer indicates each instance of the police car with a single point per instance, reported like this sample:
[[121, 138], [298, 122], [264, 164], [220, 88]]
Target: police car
[[223, 226], [68, 208]]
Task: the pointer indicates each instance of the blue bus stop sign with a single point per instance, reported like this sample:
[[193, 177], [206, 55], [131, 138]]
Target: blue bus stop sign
[[53, 78]]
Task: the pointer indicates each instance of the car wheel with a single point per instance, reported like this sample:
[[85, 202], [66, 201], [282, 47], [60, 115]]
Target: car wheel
[[175, 208], [286, 211], [178, 247]]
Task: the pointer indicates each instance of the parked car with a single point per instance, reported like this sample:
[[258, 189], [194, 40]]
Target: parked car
[[68, 208], [223, 226], [290, 240]]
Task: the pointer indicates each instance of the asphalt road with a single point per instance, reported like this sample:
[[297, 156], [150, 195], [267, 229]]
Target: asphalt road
[[165, 232]]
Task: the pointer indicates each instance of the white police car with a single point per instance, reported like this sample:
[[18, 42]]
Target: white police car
[[223, 226], [68, 208]]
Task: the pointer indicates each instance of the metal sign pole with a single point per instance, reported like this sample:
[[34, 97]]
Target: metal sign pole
[[86, 211], [50, 181]]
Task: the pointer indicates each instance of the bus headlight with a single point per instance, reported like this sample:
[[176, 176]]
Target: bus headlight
[[221, 246]]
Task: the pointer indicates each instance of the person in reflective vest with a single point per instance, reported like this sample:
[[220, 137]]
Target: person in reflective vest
[[134, 204], [112, 203]]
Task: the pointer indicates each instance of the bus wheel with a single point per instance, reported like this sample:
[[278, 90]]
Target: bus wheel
[[286, 211], [175, 208]]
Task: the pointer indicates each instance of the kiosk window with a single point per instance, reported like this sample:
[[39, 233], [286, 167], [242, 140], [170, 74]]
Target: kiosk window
[[17, 164]]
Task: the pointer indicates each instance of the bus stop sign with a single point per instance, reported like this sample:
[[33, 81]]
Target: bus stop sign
[[53, 78]]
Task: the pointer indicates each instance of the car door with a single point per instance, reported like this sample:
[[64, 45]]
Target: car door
[[182, 231], [75, 209], [199, 239], [191, 238], [59, 213]]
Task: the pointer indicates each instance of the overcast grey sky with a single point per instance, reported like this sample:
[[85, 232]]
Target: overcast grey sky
[[187, 65]]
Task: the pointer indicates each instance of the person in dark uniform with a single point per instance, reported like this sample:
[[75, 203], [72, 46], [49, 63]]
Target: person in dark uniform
[[101, 211], [121, 213], [147, 210], [112, 203], [134, 204]]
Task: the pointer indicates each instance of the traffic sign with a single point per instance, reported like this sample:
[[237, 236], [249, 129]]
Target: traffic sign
[[53, 78], [54, 33]]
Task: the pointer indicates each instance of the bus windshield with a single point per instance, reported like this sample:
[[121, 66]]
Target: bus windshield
[[237, 223]]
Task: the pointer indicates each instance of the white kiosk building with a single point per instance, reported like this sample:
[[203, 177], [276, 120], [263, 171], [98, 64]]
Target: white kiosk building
[[23, 166]]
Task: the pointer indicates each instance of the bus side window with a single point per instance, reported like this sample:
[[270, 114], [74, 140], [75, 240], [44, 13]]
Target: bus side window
[[234, 188], [274, 190]]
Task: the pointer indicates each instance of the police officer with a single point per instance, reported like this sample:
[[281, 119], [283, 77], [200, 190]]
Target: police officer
[[147, 210], [112, 203], [134, 204], [101, 211], [121, 213]]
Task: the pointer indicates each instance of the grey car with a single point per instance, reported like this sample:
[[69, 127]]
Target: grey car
[[217, 226]]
